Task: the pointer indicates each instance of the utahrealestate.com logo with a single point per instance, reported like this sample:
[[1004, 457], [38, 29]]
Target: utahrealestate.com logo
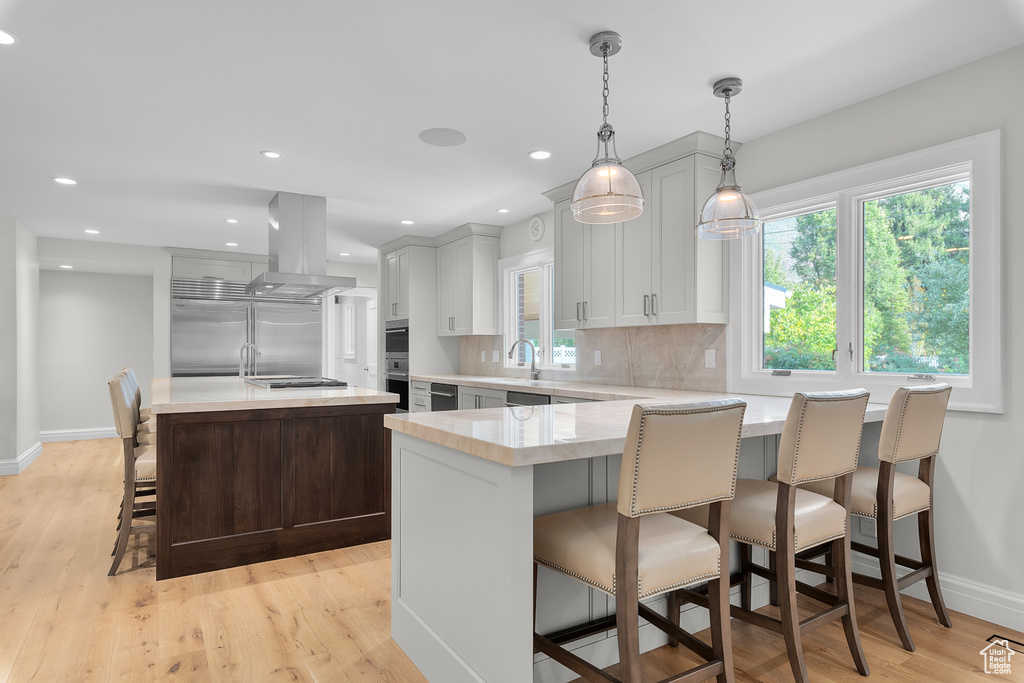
[[997, 656]]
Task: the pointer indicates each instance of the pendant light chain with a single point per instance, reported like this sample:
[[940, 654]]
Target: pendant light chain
[[604, 52], [728, 117]]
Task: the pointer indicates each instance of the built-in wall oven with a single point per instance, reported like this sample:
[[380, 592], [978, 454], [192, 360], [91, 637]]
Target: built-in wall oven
[[396, 361]]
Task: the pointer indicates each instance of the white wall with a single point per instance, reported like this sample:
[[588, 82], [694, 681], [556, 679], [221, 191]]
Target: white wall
[[364, 273], [91, 326], [515, 238], [27, 323], [979, 493]]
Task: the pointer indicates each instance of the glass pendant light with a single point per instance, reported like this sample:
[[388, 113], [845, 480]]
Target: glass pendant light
[[608, 192], [728, 213]]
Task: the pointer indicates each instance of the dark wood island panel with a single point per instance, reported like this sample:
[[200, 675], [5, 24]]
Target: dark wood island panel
[[242, 486]]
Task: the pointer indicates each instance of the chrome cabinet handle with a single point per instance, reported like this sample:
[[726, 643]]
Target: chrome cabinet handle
[[578, 318], [584, 311], [654, 304], [646, 302]]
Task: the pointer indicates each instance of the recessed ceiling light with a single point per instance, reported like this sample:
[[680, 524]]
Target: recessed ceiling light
[[231, 244], [7, 38], [442, 137], [540, 154], [92, 232], [67, 267], [407, 222], [344, 253], [231, 220], [65, 181], [502, 210], [271, 154]]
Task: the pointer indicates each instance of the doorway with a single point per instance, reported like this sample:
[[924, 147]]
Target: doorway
[[355, 349]]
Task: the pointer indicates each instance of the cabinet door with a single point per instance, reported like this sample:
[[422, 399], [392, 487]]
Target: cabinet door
[[402, 293], [468, 398], [673, 219], [489, 398], [568, 294], [462, 277], [189, 268], [711, 257], [599, 275], [447, 279], [634, 247], [391, 282]]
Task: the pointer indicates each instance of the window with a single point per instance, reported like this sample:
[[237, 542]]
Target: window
[[528, 286], [879, 276]]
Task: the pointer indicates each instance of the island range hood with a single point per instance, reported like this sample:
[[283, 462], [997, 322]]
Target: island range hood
[[297, 232]]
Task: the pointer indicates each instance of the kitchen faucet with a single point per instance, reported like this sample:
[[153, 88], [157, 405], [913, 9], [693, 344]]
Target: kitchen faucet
[[533, 356], [241, 357]]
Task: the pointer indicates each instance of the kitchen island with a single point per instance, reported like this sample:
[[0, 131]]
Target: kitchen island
[[246, 474], [466, 486]]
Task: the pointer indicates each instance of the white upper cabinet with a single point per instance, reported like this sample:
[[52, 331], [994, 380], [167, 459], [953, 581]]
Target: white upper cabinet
[[467, 286], [396, 281], [584, 267], [189, 268], [664, 273]]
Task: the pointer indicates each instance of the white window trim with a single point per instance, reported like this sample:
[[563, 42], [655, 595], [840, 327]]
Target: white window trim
[[542, 259], [982, 390]]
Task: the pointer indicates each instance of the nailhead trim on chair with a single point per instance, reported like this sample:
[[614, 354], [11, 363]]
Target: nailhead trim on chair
[[611, 591], [796, 543], [633, 512], [800, 426], [899, 430]]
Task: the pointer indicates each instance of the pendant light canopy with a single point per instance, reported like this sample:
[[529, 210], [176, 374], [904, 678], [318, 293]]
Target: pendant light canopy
[[728, 213], [608, 192]]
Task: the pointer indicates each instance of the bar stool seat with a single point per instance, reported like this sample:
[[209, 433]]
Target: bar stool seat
[[817, 519], [910, 494], [581, 543]]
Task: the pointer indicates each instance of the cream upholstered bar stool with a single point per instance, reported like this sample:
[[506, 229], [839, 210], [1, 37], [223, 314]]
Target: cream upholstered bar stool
[[139, 467], [675, 456], [911, 430], [820, 440], [147, 421]]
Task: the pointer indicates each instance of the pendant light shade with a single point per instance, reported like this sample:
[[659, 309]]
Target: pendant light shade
[[728, 213], [608, 192]]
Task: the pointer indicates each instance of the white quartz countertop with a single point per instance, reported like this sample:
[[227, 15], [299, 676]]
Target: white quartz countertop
[[530, 435], [570, 389], [206, 394]]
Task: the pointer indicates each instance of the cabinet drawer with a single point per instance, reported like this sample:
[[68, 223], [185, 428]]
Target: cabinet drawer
[[422, 388], [211, 269], [419, 404]]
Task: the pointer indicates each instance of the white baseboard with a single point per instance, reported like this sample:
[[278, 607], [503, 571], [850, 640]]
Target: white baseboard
[[77, 434], [963, 595], [18, 465]]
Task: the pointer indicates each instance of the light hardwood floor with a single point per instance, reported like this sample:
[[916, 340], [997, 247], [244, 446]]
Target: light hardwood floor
[[321, 617]]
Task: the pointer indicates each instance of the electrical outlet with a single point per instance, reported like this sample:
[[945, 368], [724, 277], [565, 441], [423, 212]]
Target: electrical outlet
[[597, 356], [709, 358], [867, 527], [483, 356], [495, 358]]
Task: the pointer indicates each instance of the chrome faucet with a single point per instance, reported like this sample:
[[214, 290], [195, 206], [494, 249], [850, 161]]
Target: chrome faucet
[[533, 356], [241, 357]]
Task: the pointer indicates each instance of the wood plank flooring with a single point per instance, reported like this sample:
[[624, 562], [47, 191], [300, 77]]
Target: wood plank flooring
[[320, 617]]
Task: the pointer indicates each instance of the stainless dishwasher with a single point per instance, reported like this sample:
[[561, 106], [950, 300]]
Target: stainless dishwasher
[[443, 397], [519, 398]]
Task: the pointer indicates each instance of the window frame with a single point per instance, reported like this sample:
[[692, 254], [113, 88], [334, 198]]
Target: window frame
[[977, 156], [543, 260]]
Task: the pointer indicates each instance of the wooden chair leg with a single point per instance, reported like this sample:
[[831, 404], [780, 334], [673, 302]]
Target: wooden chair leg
[[785, 567], [674, 605], [844, 592], [927, 540], [718, 593], [125, 528], [828, 563], [887, 564], [627, 598], [773, 586], [745, 560]]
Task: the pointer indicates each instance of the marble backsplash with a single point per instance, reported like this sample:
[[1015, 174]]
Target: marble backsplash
[[664, 356]]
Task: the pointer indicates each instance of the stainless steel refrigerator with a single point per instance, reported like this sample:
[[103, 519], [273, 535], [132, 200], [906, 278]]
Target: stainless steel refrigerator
[[207, 335]]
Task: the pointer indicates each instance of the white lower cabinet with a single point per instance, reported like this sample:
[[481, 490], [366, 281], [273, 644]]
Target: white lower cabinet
[[570, 399], [471, 398], [419, 397]]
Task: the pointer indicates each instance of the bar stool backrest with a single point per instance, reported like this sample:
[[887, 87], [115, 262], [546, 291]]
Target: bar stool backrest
[[133, 387], [680, 455], [821, 437], [123, 404], [913, 423]]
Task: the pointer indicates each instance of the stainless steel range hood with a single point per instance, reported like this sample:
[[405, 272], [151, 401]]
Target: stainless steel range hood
[[298, 251]]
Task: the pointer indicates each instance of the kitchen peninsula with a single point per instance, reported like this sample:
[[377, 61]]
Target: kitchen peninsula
[[247, 474], [466, 486]]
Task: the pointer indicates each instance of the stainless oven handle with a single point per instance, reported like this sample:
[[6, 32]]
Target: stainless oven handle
[[441, 393], [396, 330], [398, 375]]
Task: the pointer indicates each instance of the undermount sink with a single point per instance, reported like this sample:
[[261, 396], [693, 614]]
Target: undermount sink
[[518, 380]]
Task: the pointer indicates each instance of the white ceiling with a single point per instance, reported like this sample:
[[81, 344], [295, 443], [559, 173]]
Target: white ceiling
[[160, 109]]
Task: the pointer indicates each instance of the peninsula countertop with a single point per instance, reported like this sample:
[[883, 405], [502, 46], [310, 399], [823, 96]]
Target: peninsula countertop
[[207, 394], [530, 435]]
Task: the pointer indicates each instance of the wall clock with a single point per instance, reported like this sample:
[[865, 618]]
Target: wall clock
[[536, 228]]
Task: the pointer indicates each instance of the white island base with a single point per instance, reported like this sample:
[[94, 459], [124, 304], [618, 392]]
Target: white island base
[[462, 535]]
